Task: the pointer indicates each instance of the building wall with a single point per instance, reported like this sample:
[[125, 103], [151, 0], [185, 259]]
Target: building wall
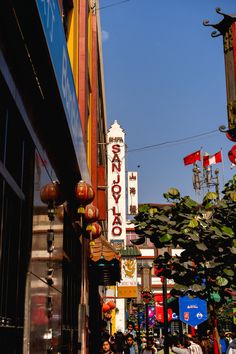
[[46, 135]]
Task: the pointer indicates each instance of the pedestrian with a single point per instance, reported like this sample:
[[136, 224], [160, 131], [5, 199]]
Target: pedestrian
[[149, 348], [119, 344], [106, 347], [232, 345], [179, 346], [207, 345], [131, 346], [130, 330], [193, 345], [223, 343]]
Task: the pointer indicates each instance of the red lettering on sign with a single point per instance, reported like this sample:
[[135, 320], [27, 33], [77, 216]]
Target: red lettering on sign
[[117, 180], [116, 230], [116, 148], [115, 212], [116, 189], [117, 221], [116, 158], [116, 167]]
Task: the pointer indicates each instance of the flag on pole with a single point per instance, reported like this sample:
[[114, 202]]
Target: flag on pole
[[212, 159], [192, 158]]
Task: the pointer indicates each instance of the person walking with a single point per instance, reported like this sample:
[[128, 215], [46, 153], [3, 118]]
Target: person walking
[[194, 347], [149, 348], [179, 346], [106, 347], [130, 330], [131, 346], [232, 345]]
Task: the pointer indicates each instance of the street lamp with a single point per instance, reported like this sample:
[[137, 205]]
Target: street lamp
[[146, 292]]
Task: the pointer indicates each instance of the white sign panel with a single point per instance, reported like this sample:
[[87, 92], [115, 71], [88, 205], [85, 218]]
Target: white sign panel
[[116, 183], [132, 192], [128, 272]]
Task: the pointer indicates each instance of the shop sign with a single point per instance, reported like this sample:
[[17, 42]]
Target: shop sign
[[192, 311], [51, 22]]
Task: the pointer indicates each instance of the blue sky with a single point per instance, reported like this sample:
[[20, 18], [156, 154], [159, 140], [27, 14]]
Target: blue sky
[[165, 81]]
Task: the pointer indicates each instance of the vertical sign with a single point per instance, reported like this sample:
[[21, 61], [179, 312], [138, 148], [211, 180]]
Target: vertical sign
[[127, 288], [132, 192], [116, 184]]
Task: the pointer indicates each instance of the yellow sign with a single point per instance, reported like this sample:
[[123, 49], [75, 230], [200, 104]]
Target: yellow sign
[[234, 315], [127, 291]]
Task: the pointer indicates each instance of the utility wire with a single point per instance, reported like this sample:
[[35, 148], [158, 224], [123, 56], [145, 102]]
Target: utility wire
[[115, 4], [173, 141]]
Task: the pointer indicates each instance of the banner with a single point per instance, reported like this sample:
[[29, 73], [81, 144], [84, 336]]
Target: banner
[[192, 311]]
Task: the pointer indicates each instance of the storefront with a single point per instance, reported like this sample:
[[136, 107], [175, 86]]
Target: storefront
[[40, 141]]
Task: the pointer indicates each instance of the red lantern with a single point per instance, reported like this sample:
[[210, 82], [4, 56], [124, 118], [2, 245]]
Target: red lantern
[[50, 193], [232, 154], [94, 230], [146, 296], [111, 304], [84, 193], [91, 213], [105, 308]]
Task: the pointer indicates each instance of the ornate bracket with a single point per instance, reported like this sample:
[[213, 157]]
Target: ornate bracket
[[223, 26]]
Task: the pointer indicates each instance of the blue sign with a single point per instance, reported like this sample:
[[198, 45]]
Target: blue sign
[[50, 17], [192, 311]]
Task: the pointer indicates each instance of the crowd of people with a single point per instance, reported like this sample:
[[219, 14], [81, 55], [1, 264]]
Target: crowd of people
[[129, 343]]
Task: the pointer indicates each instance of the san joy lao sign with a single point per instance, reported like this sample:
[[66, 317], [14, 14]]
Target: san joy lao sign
[[116, 183]]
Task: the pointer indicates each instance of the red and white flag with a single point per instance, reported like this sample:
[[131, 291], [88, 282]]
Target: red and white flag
[[192, 158], [212, 159]]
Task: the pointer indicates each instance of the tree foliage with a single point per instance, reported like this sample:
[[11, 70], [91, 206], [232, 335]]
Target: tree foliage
[[205, 233]]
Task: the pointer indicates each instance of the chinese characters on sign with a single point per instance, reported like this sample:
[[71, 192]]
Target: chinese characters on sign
[[132, 193]]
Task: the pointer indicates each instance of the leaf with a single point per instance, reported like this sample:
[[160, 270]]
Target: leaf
[[165, 238], [194, 237], [215, 296], [148, 232], [162, 218], [180, 287], [228, 231], [233, 196], [190, 203], [211, 196], [221, 281], [197, 287], [229, 272], [233, 250], [193, 223], [173, 192], [138, 241], [201, 246]]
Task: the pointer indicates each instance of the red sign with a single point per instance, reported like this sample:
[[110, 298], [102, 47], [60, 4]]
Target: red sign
[[160, 313]]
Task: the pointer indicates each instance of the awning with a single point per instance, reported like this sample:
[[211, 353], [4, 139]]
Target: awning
[[103, 249], [104, 265]]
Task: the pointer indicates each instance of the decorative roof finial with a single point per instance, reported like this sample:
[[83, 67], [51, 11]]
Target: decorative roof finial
[[223, 26]]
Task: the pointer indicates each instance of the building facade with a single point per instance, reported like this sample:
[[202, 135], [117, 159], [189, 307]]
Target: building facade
[[52, 128]]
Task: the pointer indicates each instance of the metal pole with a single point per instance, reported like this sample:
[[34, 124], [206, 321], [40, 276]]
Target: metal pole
[[147, 324], [165, 309]]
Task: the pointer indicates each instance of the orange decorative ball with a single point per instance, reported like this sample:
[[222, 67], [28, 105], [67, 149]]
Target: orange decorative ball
[[111, 304], [94, 230], [51, 193], [91, 213], [84, 193], [105, 308]]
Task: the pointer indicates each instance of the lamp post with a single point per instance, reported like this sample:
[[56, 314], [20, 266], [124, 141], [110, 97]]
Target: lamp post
[[146, 293], [165, 310]]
